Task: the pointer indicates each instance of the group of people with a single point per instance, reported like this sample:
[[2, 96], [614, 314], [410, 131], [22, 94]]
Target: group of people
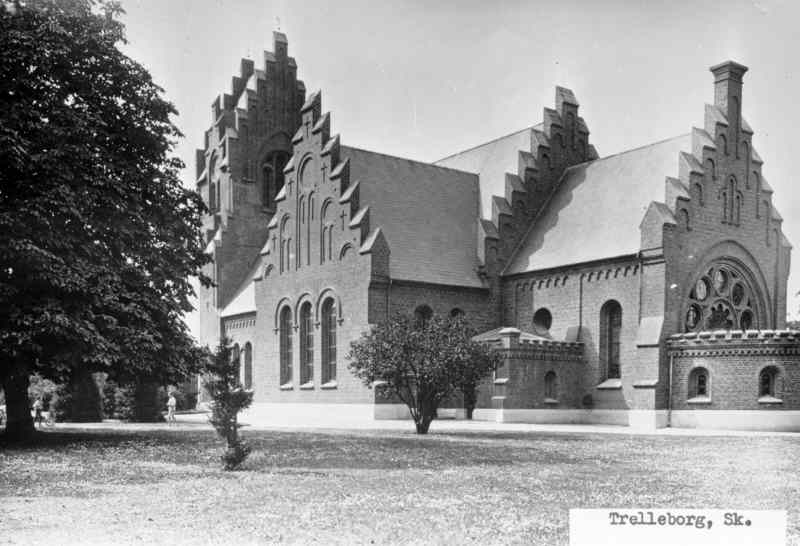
[[38, 408]]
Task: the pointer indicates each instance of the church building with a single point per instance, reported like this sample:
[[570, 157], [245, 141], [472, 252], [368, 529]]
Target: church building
[[669, 312]]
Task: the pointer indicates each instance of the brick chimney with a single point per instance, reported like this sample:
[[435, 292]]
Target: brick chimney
[[728, 95]]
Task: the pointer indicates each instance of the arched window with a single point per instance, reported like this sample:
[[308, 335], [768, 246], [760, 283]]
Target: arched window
[[455, 312], [236, 358], [422, 315], [767, 382], [328, 340], [767, 215], [722, 144], [325, 233], [306, 344], [285, 341], [248, 365], [746, 152], [542, 320], [610, 329], [272, 176], [684, 214], [737, 213], [724, 206], [711, 168], [301, 228], [285, 242], [698, 383], [699, 189], [550, 386], [722, 298], [212, 197]]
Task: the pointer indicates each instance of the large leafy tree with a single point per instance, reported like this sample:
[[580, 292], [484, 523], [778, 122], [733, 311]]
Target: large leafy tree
[[422, 363], [98, 237]]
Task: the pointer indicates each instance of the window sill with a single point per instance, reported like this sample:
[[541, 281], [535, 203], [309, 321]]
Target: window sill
[[501, 381], [307, 386], [610, 384], [287, 386], [550, 401], [699, 400], [329, 385], [769, 400]]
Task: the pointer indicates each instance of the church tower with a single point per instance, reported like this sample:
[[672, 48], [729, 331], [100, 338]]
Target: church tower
[[240, 171]]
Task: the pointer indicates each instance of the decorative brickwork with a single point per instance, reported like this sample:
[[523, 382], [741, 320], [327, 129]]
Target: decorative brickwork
[[601, 260]]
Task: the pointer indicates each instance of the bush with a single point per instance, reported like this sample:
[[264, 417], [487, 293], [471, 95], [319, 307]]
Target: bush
[[422, 363], [229, 398], [124, 402], [109, 399]]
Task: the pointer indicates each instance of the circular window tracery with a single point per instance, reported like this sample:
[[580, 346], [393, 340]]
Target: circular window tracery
[[721, 299]]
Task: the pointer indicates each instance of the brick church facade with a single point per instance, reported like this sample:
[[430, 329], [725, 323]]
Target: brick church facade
[[668, 312]]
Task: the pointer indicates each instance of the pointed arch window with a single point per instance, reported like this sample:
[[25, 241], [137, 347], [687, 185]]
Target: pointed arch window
[[306, 344], [272, 176], [285, 343], [329, 340], [610, 330]]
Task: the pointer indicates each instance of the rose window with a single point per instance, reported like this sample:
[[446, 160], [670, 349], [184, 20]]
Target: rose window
[[721, 299]]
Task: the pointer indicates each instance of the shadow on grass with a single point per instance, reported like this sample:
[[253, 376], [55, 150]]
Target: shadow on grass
[[85, 462]]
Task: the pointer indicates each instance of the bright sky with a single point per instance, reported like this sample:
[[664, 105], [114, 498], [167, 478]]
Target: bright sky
[[426, 79]]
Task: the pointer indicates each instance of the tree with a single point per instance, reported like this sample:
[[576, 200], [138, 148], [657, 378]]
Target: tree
[[421, 364], [98, 237], [221, 382]]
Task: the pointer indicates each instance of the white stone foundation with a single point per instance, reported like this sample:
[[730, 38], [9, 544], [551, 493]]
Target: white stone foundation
[[775, 421]]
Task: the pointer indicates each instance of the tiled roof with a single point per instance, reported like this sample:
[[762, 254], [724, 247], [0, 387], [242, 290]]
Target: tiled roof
[[428, 215], [596, 210], [491, 161]]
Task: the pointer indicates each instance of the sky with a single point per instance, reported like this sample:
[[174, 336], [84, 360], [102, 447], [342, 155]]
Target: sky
[[426, 79]]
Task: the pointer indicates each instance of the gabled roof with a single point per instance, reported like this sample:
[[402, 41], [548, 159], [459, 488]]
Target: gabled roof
[[426, 213], [597, 207], [491, 161]]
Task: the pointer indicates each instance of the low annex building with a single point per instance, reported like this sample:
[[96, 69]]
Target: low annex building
[[668, 312]]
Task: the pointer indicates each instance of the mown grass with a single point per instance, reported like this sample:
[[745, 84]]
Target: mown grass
[[354, 487]]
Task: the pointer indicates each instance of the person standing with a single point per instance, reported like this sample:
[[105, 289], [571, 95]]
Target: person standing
[[37, 412], [171, 403]]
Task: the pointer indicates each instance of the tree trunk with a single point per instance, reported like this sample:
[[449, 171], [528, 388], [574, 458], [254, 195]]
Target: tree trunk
[[423, 425], [470, 409], [19, 423]]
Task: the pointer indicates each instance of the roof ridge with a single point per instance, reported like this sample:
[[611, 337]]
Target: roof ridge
[[530, 127], [418, 162], [642, 147]]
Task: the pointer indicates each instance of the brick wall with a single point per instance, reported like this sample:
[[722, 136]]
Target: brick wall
[[734, 361]]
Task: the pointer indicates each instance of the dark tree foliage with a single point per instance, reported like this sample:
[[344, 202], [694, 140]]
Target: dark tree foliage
[[422, 363], [98, 238], [221, 382]]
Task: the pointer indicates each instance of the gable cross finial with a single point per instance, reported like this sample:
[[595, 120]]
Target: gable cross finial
[[278, 24]]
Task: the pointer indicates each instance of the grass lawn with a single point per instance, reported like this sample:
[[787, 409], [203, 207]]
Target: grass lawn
[[122, 486]]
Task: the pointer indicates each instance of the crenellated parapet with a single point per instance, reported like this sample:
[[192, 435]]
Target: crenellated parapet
[[734, 343]]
